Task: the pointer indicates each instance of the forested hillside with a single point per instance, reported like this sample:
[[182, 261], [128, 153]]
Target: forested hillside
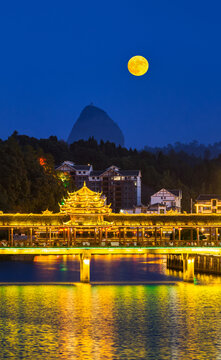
[[29, 183]]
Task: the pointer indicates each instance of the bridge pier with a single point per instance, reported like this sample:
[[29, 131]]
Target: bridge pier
[[188, 268], [183, 262], [85, 260]]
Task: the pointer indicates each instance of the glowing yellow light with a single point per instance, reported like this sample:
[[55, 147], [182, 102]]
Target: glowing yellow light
[[86, 261], [138, 65]]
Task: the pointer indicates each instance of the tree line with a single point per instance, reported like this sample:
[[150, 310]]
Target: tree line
[[192, 148], [29, 182]]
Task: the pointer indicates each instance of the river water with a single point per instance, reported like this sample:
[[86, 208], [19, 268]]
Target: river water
[[134, 309]]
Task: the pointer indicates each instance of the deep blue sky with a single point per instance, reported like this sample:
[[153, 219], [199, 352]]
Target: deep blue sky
[[59, 56]]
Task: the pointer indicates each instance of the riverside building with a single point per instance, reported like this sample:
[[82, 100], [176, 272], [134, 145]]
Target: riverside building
[[170, 198], [208, 204], [122, 188]]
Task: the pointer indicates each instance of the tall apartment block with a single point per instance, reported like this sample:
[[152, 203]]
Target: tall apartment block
[[122, 188]]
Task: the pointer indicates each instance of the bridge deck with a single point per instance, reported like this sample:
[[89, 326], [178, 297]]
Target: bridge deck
[[110, 250]]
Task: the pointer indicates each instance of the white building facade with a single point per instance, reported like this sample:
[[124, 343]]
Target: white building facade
[[170, 198]]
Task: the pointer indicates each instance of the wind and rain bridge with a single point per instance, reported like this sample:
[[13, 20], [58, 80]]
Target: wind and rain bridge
[[86, 226]]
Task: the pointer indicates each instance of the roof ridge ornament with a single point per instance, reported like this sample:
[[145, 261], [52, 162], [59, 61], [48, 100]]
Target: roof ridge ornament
[[47, 212]]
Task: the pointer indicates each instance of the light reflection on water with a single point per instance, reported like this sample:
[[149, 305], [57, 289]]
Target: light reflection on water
[[111, 322], [103, 268]]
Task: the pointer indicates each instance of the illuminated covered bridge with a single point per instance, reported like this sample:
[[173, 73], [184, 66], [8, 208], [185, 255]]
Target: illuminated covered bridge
[[85, 220], [85, 225]]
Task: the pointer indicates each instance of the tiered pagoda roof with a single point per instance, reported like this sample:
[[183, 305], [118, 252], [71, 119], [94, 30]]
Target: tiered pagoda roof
[[85, 202]]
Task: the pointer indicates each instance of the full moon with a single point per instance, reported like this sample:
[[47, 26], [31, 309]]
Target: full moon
[[138, 65]]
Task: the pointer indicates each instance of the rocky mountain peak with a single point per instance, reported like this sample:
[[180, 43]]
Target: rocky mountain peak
[[95, 122]]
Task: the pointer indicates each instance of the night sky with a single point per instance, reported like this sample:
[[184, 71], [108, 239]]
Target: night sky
[[59, 56]]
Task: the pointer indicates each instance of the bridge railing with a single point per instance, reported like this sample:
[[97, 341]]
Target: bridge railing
[[57, 242], [100, 236]]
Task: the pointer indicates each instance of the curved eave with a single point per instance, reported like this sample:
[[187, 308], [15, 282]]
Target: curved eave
[[164, 220], [20, 220], [170, 220]]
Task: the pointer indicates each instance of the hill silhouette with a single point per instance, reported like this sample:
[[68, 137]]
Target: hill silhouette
[[94, 122]]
